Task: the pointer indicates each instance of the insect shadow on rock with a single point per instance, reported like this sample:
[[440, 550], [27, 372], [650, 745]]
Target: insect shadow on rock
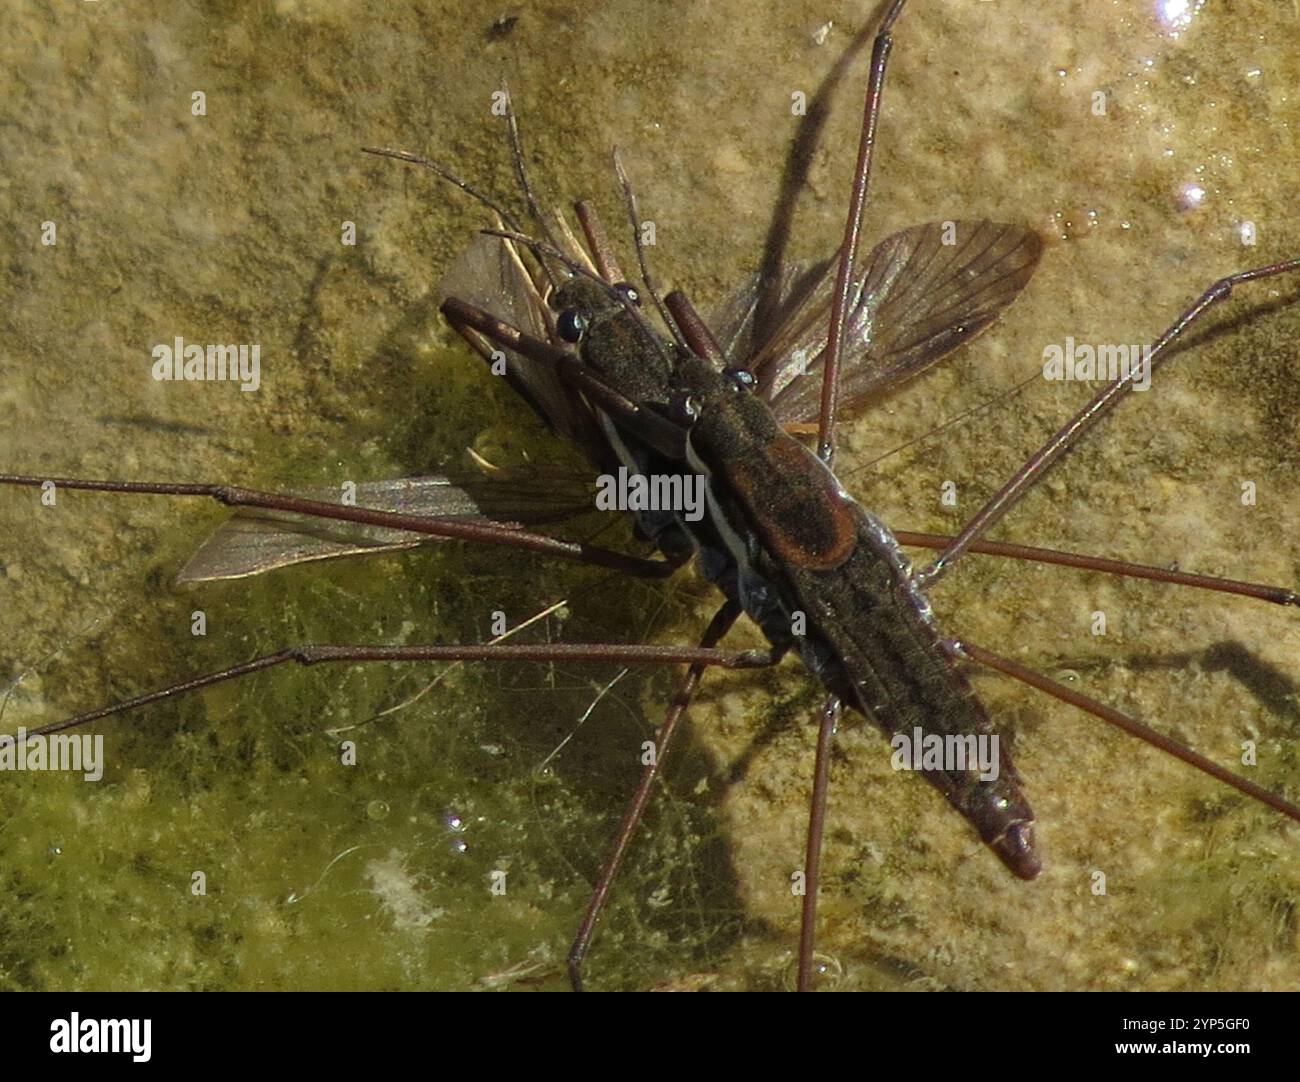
[[852, 330]]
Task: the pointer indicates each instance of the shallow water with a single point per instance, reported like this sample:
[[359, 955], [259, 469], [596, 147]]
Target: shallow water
[[227, 227]]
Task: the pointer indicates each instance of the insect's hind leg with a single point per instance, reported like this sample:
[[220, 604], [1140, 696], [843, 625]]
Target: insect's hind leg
[[1129, 725], [816, 831], [721, 623]]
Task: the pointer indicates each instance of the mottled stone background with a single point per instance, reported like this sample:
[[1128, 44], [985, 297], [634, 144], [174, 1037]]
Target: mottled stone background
[[226, 227]]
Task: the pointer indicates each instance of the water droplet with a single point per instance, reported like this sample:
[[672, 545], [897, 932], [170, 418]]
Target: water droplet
[[1191, 197], [827, 973]]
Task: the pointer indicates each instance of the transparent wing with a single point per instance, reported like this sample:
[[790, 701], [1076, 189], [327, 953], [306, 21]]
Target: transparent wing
[[921, 293], [490, 275], [252, 542], [734, 323]]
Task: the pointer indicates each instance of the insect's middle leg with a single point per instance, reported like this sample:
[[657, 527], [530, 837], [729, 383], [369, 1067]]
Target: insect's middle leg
[[1277, 595], [718, 627], [1069, 434]]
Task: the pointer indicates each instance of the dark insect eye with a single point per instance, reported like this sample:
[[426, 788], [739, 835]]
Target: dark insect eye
[[630, 292], [742, 378], [684, 408], [570, 324]]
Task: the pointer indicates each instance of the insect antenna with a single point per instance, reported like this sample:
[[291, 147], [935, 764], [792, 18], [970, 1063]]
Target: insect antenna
[[600, 259], [521, 174], [502, 214], [634, 220], [446, 174]]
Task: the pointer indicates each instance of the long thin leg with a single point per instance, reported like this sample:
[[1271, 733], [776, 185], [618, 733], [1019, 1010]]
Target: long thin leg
[[315, 654], [1074, 429], [482, 532], [852, 233], [1130, 725], [816, 831], [718, 627], [1277, 595]]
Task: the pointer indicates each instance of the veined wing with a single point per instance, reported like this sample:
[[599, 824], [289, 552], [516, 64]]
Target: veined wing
[[921, 293], [775, 298], [490, 275], [252, 542]]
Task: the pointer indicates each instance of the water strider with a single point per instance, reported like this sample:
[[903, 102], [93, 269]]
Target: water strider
[[880, 792]]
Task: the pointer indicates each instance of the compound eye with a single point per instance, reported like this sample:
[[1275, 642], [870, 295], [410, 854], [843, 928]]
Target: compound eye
[[742, 378], [570, 325], [630, 292], [684, 409]]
